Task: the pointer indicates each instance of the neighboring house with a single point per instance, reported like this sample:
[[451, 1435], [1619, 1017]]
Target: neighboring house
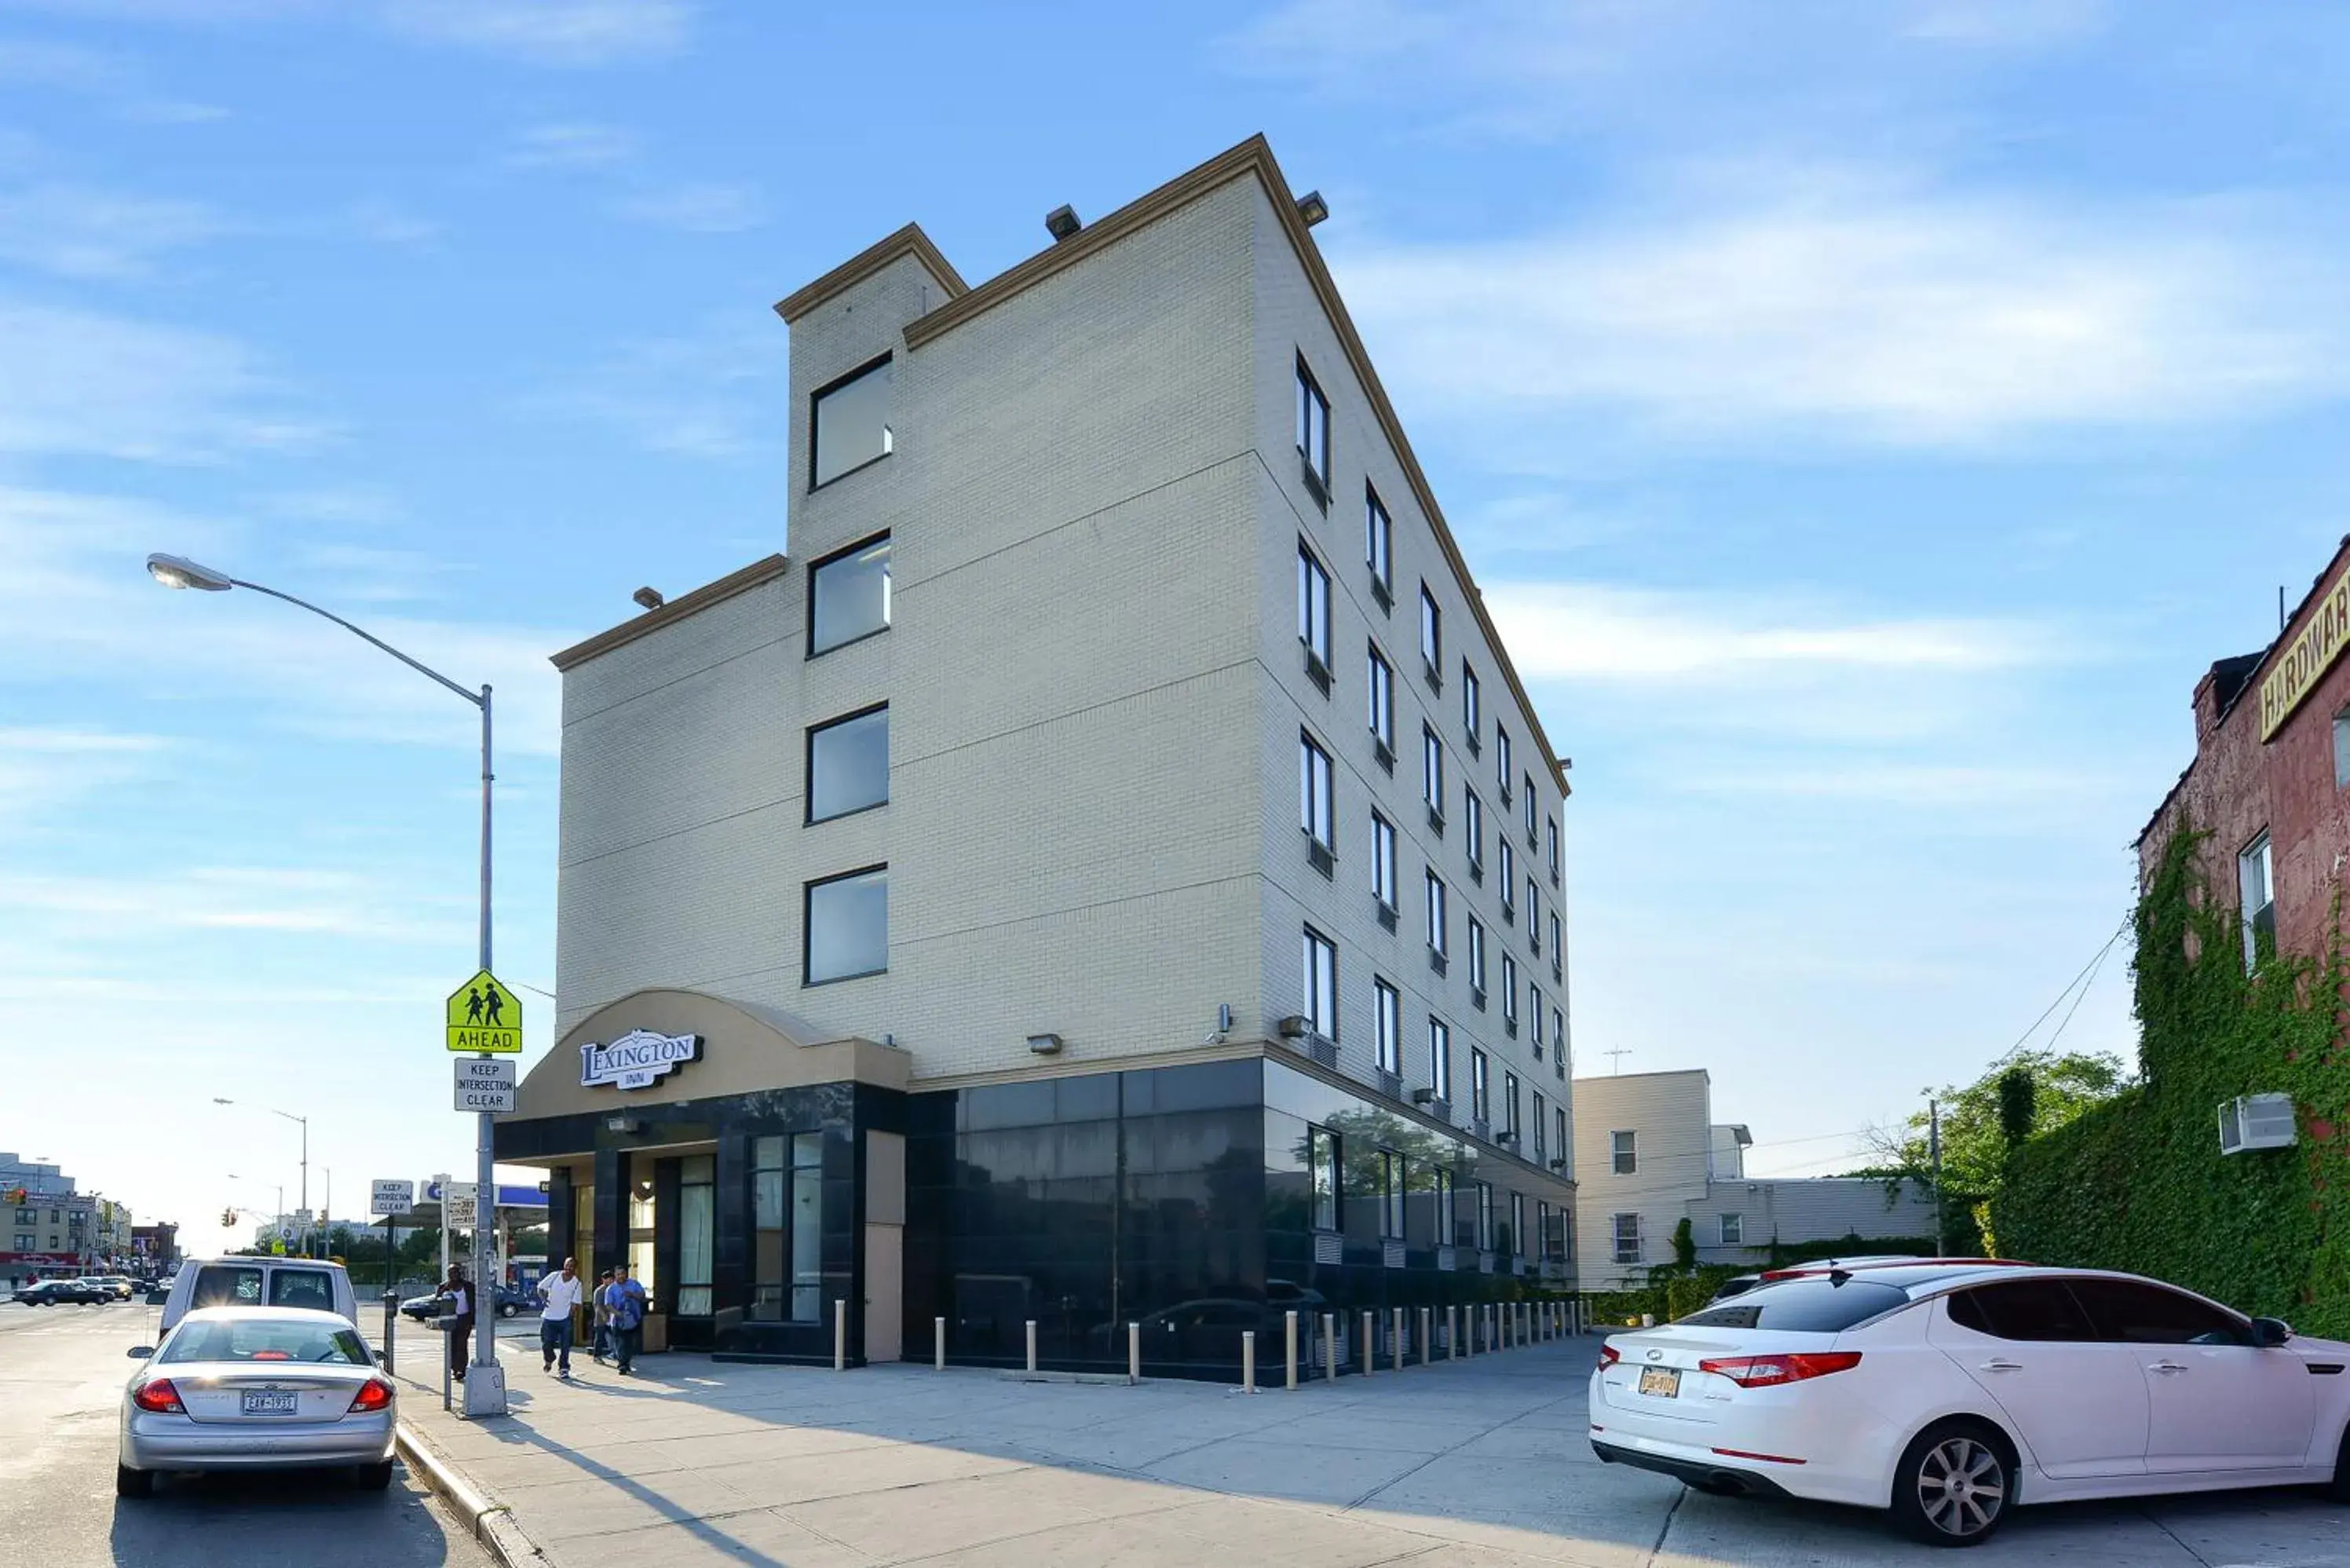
[[1650, 1154], [1109, 866], [45, 1226]]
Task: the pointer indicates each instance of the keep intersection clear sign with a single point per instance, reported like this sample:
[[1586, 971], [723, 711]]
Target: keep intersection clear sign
[[485, 1016]]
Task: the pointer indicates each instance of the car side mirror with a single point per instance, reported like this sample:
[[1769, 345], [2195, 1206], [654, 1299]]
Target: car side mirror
[[2268, 1333], [158, 1298], [140, 1352]]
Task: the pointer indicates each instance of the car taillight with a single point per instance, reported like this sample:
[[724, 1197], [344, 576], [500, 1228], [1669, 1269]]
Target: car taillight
[[1770, 1371], [373, 1394], [1609, 1355], [158, 1396]]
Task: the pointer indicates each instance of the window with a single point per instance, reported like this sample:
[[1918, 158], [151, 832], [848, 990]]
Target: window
[[696, 1227], [2040, 1310], [1533, 916], [1477, 958], [1627, 1238], [1557, 948], [2131, 1313], [1558, 1145], [1313, 432], [1502, 761], [1382, 685], [1322, 1167], [1448, 1222], [1387, 1016], [1431, 772], [1552, 1240], [788, 1228], [1516, 1241], [848, 595], [1484, 1216], [1534, 811], [1625, 1149], [1558, 1038], [1472, 711], [1542, 1122], [848, 764], [1533, 1015], [1481, 1086], [1436, 913], [1313, 614], [1507, 860], [2342, 749], [1439, 1059], [846, 921], [1733, 1230], [1378, 547], [1510, 1103], [851, 423], [1431, 636], [2252, 877], [1550, 836], [1472, 816], [270, 1340], [1314, 795], [1383, 860], [1322, 983], [1510, 993], [1812, 1305], [1390, 1195]]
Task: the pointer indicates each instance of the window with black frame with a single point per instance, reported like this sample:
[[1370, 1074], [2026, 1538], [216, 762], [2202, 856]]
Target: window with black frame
[[1322, 1169], [788, 1228]]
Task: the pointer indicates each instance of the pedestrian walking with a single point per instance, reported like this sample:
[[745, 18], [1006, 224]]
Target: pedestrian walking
[[603, 1346], [626, 1298], [562, 1293], [457, 1294]]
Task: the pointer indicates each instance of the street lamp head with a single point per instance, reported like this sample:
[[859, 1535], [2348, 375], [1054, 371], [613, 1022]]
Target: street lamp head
[[179, 572], [218, 1101]]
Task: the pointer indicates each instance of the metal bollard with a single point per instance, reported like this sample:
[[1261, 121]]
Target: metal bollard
[[1032, 1345], [1370, 1352], [1134, 1351], [390, 1326], [1396, 1348], [939, 1340], [1330, 1345], [1426, 1343], [1451, 1336], [1289, 1348], [840, 1333], [1248, 1361]]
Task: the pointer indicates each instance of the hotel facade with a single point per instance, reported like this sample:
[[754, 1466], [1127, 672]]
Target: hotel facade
[[1107, 872]]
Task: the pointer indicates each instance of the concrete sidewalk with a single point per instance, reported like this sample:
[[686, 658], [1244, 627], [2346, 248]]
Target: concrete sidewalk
[[1481, 1461]]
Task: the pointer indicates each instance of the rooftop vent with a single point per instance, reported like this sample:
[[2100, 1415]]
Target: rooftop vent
[[649, 598], [1312, 208], [1062, 223]]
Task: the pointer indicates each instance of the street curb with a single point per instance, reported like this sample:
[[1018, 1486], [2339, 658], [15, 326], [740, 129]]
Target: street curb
[[488, 1521]]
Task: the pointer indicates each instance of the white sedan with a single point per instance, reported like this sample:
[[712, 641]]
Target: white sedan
[[251, 1387], [1951, 1393]]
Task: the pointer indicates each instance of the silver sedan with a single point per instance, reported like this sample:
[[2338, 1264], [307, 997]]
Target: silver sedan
[[249, 1387]]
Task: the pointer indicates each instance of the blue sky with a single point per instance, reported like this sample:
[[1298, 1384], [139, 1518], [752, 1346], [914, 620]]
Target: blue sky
[[1865, 420]]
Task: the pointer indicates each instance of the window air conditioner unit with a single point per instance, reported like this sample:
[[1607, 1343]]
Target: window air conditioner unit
[[1423, 1097], [2257, 1121], [1296, 1026]]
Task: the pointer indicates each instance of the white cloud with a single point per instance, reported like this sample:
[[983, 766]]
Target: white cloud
[[79, 382], [572, 145], [700, 207], [122, 906], [700, 394], [84, 234], [1861, 312], [548, 32], [43, 769]]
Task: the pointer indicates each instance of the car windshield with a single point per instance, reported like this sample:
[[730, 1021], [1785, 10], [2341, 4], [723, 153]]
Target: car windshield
[[219, 1285], [265, 1339], [1803, 1306], [302, 1288]]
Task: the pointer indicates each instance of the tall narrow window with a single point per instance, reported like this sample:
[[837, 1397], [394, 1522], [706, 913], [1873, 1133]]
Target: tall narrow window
[[1448, 1226], [1557, 948], [1540, 1124], [2254, 878], [1391, 1175], [1472, 818], [1534, 915], [848, 764], [1510, 993], [1432, 635], [1546, 1234], [1501, 767], [1473, 706], [1378, 547], [696, 1227], [1534, 813], [1436, 936], [788, 1228], [1431, 772], [1484, 1216], [1480, 1086], [1386, 1013], [1314, 805], [1624, 1149], [1313, 432], [1383, 860], [1534, 1016], [1439, 1059], [848, 595], [1510, 1102], [1733, 1230], [1314, 614], [1558, 1146], [851, 427], [1558, 1041], [1477, 958], [1550, 835], [1382, 688], [1322, 1169], [847, 925], [1627, 1238], [1517, 1241], [1321, 984]]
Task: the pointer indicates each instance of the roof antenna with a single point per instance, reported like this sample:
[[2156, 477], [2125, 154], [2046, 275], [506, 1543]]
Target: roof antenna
[[1615, 1065]]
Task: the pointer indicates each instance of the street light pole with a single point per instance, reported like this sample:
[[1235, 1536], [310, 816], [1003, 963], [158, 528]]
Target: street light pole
[[304, 1121], [485, 1393]]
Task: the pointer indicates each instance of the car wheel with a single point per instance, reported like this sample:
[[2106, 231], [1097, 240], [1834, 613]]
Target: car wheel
[[2338, 1488], [508, 1310], [129, 1482], [373, 1477], [1955, 1484]]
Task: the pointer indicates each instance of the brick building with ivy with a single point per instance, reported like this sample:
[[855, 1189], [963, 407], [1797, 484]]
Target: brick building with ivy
[[2271, 780]]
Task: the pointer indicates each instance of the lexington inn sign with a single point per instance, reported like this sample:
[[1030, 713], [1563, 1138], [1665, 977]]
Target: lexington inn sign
[[2308, 655], [636, 1060]]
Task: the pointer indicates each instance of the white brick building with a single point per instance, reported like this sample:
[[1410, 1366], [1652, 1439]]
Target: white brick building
[[1031, 796]]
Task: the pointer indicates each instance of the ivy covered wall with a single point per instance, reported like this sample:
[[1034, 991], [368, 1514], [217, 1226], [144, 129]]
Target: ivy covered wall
[[2139, 1183]]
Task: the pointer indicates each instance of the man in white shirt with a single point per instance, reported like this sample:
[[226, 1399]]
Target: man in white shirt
[[562, 1293]]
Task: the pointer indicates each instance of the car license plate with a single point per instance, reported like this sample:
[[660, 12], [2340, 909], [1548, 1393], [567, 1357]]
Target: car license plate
[[269, 1403], [1662, 1381]]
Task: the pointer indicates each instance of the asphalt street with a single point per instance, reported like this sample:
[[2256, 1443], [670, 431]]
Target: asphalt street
[[61, 1376]]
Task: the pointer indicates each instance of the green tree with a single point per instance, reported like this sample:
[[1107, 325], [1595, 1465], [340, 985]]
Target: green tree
[[2018, 1104], [1684, 1245], [1979, 1120]]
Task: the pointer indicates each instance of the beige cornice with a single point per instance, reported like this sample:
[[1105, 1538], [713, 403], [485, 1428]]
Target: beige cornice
[[907, 241], [677, 608]]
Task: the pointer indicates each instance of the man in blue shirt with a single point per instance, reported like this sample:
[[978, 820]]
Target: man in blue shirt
[[626, 1298]]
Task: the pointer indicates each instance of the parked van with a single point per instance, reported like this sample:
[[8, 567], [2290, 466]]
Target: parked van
[[260, 1282]]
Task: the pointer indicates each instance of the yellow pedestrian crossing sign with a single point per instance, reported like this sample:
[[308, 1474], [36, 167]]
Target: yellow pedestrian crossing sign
[[483, 1015]]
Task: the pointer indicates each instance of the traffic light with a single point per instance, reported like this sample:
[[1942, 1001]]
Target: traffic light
[[228, 1219]]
